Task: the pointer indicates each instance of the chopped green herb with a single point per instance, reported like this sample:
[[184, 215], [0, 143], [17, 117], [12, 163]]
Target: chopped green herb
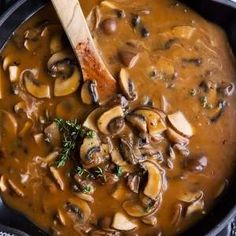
[[81, 171], [203, 101], [87, 189], [119, 171], [71, 130], [100, 173]]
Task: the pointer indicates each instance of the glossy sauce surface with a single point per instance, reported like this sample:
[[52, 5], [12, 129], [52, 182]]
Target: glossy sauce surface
[[180, 64]]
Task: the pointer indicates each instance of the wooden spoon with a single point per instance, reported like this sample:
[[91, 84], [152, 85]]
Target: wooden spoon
[[92, 65]]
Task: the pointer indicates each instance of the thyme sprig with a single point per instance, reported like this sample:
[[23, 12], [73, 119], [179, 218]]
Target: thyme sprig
[[71, 131]]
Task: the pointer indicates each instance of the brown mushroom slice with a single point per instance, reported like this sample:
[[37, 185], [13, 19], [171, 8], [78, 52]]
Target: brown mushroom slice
[[128, 57], [107, 117], [57, 176], [64, 87], [31, 45], [109, 4], [82, 207], [196, 206], [7, 61], [181, 124], [10, 126], [3, 185], [138, 121], [127, 85], [53, 134], [154, 182], [85, 197], [135, 208], [174, 137], [90, 151], [189, 197], [149, 220], [117, 158], [61, 217], [91, 120], [14, 73], [155, 123], [15, 188], [33, 86], [89, 94], [185, 31], [20, 107], [122, 222]]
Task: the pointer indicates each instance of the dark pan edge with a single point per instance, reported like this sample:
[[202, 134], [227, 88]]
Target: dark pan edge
[[20, 12], [13, 18]]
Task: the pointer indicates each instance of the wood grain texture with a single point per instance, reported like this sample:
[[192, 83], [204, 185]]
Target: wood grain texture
[[92, 65]]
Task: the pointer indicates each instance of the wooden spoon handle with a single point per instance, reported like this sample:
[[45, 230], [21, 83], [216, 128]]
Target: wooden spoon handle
[[93, 67]]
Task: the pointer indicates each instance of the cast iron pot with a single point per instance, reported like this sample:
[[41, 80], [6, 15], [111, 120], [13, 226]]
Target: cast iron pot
[[221, 12]]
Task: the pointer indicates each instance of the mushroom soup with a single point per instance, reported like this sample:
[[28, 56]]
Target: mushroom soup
[[151, 160]]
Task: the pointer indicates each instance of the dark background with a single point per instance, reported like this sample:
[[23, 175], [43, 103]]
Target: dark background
[[230, 230]]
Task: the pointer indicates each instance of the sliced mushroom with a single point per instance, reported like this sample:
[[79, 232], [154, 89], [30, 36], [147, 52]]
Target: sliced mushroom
[[130, 153], [56, 43], [117, 158], [3, 186], [196, 206], [155, 123], [136, 209], [109, 26], [86, 197], [181, 124], [10, 127], [78, 209], [60, 65], [57, 176], [14, 73], [90, 152], [33, 85], [53, 134], [20, 107], [31, 45], [189, 197], [16, 188], [134, 182], [138, 121], [51, 157], [227, 89], [64, 87], [127, 85], [154, 182], [61, 217], [109, 115], [185, 32], [149, 220], [91, 120], [174, 137], [89, 94], [128, 57], [122, 222], [7, 61]]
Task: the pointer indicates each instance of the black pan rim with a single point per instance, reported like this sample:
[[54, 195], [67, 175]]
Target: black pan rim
[[9, 24]]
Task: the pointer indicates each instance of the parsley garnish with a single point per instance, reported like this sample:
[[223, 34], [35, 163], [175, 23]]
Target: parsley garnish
[[71, 130], [119, 171]]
